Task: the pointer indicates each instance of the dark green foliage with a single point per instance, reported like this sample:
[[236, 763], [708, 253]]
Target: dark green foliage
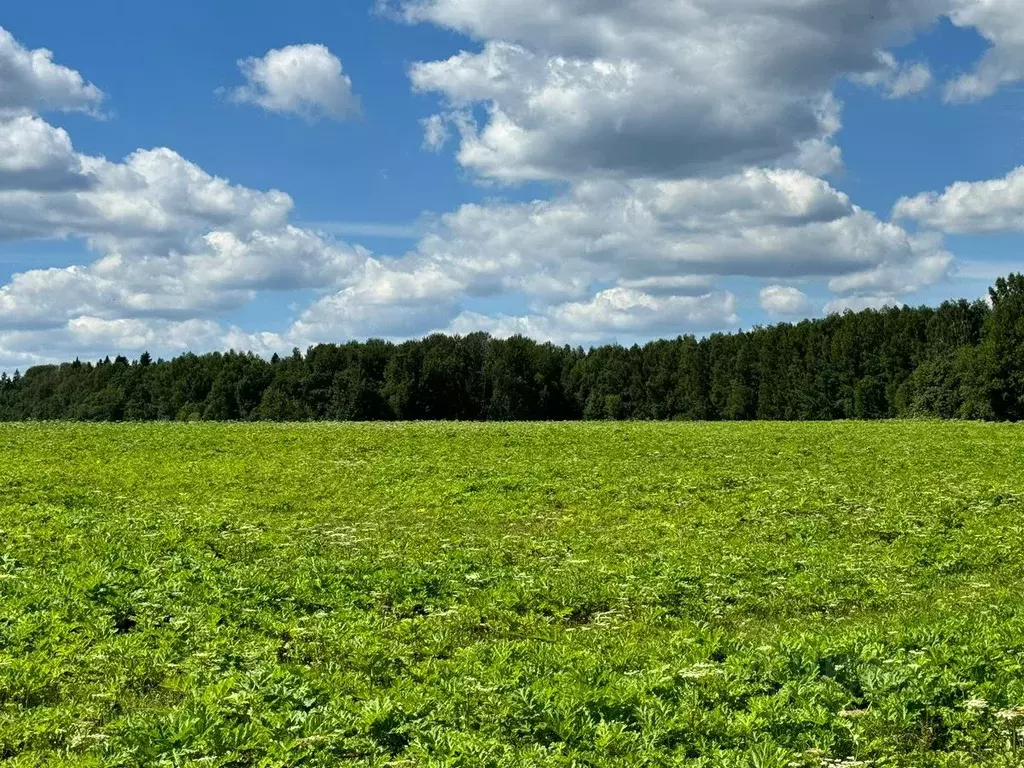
[[962, 360], [1003, 346]]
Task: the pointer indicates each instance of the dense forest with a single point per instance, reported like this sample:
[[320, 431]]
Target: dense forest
[[961, 360]]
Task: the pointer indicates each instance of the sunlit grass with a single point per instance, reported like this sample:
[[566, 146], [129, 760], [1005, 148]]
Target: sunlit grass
[[512, 595]]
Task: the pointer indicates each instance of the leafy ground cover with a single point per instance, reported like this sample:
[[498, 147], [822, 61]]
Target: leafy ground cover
[[767, 595]]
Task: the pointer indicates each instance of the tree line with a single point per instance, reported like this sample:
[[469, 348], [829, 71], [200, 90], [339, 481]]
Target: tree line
[[961, 360]]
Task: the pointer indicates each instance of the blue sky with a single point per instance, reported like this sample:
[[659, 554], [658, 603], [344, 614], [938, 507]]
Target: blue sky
[[611, 173]]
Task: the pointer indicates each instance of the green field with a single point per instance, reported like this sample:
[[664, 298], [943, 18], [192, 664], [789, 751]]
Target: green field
[[512, 595]]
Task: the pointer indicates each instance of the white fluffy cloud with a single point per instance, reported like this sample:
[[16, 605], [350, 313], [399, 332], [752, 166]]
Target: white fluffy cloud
[[305, 80], [976, 207], [689, 137], [927, 263], [1001, 22], [660, 245], [389, 300], [92, 338], [628, 311], [615, 315], [897, 79], [783, 301], [654, 87], [760, 223], [223, 272], [883, 285], [32, 81], [175, 245], [555, 118], [684, 104], [36, 157], [154, 201]]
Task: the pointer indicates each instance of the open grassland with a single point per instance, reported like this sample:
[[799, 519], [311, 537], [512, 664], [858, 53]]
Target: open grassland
[[512, 595]]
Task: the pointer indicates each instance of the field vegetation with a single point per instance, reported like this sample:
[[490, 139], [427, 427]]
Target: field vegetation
[[512, 595]]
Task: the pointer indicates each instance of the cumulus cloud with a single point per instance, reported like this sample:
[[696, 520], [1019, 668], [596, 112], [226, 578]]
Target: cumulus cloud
[[897, 80], [50, 298], [32, 81], [626, 310], [759, 223], [615, 315], [659, 244], [554, 118], [223, 272], [1002, 24], [36, 157], [992, 206], [783, 301], [174, 243], [304, 80], [929, 264], [134, 334], [653, 87], [154, 200], [93, 338], [389, 300], [693, 138], [690, 139]]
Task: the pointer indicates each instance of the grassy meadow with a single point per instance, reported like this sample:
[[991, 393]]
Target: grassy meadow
[[764, 595]]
